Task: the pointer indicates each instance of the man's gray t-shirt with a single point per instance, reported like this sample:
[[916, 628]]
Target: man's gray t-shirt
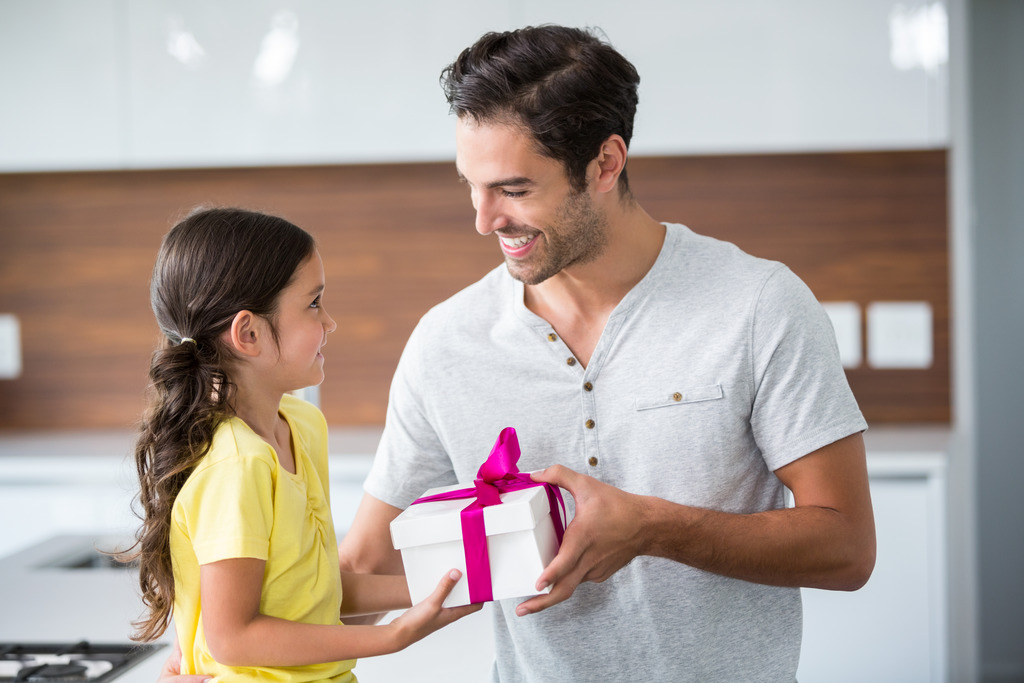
[[715, 370]]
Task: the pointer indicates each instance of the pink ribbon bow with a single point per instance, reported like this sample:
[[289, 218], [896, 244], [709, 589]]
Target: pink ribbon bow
[[499, 474]]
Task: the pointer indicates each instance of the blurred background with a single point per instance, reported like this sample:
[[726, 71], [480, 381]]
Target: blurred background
[[874, 146]]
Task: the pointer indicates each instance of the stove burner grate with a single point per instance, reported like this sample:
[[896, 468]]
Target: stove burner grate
[[81, 661], [53, 672]]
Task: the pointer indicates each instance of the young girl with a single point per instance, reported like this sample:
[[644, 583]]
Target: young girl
[[237, 541]]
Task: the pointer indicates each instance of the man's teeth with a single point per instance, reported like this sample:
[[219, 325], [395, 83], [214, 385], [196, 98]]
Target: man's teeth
[[516, 242]]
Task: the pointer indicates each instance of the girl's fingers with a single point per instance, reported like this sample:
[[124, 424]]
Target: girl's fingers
[[446, 584], [444, 587]]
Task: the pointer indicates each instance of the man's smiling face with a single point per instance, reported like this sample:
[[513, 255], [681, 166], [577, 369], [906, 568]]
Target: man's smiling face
[[525, 198]]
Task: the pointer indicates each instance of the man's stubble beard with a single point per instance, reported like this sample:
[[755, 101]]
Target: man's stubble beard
[[579, 236]]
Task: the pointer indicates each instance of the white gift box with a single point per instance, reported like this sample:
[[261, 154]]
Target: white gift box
[[520, 542]]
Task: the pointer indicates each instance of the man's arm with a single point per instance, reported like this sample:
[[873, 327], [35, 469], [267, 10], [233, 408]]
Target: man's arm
[[827, 540], [366, 547]]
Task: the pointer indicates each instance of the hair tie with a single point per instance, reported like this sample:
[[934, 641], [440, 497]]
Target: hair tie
[[189, 340]]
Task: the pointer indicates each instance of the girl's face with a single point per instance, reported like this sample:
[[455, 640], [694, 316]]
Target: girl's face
[[302, 327]]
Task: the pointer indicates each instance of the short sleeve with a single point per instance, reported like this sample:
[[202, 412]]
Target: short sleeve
[[802, 400], [228, 509]]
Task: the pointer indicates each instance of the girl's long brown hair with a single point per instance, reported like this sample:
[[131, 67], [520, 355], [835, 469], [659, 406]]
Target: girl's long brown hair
[[211, 265]]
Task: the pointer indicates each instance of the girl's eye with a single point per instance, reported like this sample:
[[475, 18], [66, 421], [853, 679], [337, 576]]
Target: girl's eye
[[316, 303]]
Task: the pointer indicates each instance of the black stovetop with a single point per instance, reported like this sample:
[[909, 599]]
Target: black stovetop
[[70, 661]]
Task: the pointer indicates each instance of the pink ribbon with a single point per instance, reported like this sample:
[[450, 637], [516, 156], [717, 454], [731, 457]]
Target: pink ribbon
[[499, 474]]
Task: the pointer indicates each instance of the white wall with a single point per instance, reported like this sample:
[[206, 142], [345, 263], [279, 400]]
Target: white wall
[[168, 83]]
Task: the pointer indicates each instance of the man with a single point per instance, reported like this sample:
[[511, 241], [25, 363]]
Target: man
[[673, 384]]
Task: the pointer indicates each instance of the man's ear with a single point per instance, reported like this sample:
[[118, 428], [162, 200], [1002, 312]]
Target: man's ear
[[246, 333], [608, 164]]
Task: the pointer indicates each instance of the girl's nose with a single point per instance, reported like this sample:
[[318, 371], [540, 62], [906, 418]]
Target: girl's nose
[[329, 324]]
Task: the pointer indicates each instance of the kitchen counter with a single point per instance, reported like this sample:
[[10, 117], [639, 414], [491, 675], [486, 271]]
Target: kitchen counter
[[46, 602]]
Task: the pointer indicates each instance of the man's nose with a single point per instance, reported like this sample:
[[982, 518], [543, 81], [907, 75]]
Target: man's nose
[[490, 215]]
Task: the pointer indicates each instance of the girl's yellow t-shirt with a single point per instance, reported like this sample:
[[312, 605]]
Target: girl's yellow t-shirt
[[239, 502]]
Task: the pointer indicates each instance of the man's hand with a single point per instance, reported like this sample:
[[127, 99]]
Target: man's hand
[[603, 537], [826, 540]]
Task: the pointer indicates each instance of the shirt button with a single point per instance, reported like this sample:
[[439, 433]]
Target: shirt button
[[677, 396], [590, 424], [552, 337], [570, 361], [588, 386], [592, 461]]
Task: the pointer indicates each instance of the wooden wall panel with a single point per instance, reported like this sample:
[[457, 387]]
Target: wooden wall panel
[[76, 250], [858, 227]]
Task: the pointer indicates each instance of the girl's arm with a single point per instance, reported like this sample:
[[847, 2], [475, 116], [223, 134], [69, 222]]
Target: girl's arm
[[372, 594], [239, 635]]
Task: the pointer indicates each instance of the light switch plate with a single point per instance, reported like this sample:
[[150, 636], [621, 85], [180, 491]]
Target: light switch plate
[[845, 317], [900, 334], [10, 346]]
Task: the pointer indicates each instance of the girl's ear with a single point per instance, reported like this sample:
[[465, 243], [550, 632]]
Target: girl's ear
[[245, 335]]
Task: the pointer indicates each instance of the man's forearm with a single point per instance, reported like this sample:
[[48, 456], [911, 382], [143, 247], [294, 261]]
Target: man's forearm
[[826, 541], [366, 549], [804, 546]]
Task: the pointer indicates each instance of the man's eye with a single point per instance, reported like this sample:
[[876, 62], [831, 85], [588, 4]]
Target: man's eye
[[512, 194]]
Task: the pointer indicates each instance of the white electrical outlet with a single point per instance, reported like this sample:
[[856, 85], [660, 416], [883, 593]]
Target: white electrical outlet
[[900, 334], [10, 346], [845, 317]]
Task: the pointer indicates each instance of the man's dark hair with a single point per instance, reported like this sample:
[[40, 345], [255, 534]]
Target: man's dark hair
[[568, 88]]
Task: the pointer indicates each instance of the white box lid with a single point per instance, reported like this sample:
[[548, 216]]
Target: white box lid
[[439, 521]]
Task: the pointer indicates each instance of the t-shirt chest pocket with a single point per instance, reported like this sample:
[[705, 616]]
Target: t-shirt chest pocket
[[679, 396]]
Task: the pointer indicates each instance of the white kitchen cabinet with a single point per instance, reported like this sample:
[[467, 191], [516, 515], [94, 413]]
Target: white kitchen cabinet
[[170, 83], [35, 512], [64, 485], [49, 495], [894, 628]]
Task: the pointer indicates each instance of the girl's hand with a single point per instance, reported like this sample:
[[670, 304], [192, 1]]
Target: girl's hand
[[429, 615], [171, 671]]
